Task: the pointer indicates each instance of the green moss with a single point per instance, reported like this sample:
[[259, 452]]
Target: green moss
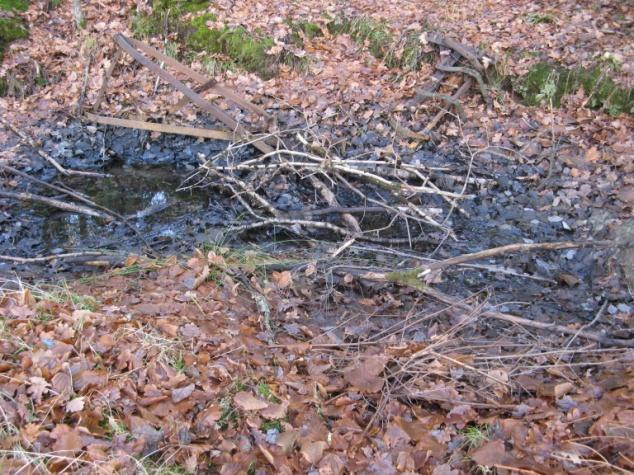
[[11, 29], [8, 5], [548, 83], [303, 29], [408, 54], [406, 277], [166, 15], [537, 18], [366, 31], [241, 48]]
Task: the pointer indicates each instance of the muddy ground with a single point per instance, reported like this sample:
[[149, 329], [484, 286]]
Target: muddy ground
[[517, 201]]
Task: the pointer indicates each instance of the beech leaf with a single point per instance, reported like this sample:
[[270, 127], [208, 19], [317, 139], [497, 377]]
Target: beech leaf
[[248, 402]]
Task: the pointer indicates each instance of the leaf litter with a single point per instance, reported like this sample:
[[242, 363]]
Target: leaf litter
[[131, 386], [169, 369]]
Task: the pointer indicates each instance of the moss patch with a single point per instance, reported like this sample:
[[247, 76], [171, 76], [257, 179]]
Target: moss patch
[[166, 15], [366, 31], [222, 48], [405, 52], [547, 84], [237, 45], [11, 29], [303, 29], [8, 5]]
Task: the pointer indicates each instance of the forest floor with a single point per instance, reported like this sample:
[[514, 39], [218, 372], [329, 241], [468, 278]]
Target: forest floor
[[324, 354]]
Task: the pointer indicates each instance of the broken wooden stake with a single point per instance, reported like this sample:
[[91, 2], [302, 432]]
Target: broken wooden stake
[[162, 128]]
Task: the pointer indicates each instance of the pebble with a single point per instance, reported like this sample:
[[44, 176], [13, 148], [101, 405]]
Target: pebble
[[272, 435]]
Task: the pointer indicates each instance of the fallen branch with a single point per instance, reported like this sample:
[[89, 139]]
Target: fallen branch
[[395, 278], [467, 52], [73, 208], [78, 197], [497, 251], [448, 99], [469, 72], [439, 75], [323, 225], [439, 116], [351, 222], [126, 45], [106, 79], [39, 260], [47, 157]]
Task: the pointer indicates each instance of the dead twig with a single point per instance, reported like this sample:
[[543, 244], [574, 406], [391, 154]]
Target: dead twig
[[73, 208], [106, 79], [79, 197], [443, 97], [44, 259], [469, 72], [497, 251], [46, 156]]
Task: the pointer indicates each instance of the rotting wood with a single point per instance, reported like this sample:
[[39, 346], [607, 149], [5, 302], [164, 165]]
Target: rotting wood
[[162, 128], [128, 46]]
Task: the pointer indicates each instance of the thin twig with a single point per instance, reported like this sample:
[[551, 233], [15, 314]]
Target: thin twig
[[47, 157]]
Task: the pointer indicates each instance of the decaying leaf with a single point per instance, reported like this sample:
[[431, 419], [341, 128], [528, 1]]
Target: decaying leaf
[[365, 376], [490, 454], [313, 451], [248, 402], [75, 405]]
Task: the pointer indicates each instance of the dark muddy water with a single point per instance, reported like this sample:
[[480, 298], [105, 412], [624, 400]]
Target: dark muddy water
[[147, 171]]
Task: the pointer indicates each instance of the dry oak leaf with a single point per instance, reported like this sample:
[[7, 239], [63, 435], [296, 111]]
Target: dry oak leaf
[[76, 404], [282, 279], [67, 439], [37, 388], [275, 411], [248, 402], [331, 464], [365, 376], [490, 454], [444, 469], [181, 394], [313, 451]]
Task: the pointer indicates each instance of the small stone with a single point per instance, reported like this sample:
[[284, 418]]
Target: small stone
[[271, 435], [570, 254], [624, 308], [555, 219], [612, 310]]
